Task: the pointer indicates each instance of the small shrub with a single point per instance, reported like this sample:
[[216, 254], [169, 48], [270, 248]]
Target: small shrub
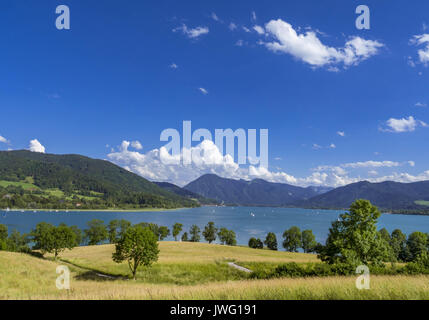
[[292, 270]]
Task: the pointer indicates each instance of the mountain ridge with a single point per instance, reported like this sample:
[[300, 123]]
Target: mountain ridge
[[257, 192], [389, 196]]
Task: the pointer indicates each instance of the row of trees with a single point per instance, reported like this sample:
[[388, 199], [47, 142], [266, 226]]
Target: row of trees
[[354, 239], [294, 239], [211, 233], [54, 239]]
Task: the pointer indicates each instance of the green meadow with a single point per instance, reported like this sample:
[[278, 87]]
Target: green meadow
[[187, 271]]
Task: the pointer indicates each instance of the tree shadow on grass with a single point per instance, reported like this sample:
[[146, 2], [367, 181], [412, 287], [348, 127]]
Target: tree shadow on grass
[[92, 275]]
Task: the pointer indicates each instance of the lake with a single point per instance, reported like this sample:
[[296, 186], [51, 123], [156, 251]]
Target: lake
[[246, 222]]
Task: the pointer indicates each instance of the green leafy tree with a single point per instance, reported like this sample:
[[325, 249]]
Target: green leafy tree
[[231, 239], [256, 243], [17, 242], [43, 237], [113, 230], [417, 244], [308, 240], [51, 239], [139, 247], [223, 235], [163, 232], [78, 234], [185, 237], [3, 232], [354, 239], [398, 243], [385, 236], [195, 233], [64, 238], [210, 232], [3, 237], [271, 241], [96, 232], [292, 239], [177, 228], [157, 231]]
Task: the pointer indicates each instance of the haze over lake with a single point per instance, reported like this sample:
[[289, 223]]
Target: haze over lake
[[246, 222]]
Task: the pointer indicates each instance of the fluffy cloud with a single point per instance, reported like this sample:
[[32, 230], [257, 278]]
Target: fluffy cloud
[[403, 125], [136, 145], [4, 140], [192, 33], [422, 40], [308, 48], [174, 66], [159, 165], [36, 146]]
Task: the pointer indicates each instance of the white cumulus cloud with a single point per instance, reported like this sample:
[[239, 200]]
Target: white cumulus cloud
[[403, 125], [4, 140], [159, 165], [36, 146], [422, 40], [308, 48], [136, 145]]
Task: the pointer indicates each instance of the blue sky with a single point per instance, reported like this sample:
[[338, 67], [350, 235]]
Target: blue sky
[[110, 79]]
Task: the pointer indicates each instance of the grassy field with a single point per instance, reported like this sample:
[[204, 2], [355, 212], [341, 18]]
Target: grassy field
[[24, 185], [422, 203], [187, 271]]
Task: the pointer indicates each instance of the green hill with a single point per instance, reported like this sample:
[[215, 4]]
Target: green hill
[[186, 193], [40, 180], [250, 193], [389, 196]]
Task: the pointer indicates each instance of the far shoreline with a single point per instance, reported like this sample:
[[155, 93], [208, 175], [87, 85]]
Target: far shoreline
[[144, 210], [92, 210]]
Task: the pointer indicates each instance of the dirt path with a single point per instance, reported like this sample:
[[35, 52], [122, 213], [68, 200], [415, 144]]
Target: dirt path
[[232, 264]]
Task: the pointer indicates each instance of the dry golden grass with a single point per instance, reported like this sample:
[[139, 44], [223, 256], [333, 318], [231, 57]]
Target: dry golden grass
[[187, 252], [26, 277]]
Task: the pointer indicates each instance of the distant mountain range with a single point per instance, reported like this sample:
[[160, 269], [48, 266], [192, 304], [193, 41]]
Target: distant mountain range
[[48, 180], [388, 196], [251, 193]]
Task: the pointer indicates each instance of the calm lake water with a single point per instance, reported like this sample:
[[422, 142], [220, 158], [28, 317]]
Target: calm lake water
[[246, 222]]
